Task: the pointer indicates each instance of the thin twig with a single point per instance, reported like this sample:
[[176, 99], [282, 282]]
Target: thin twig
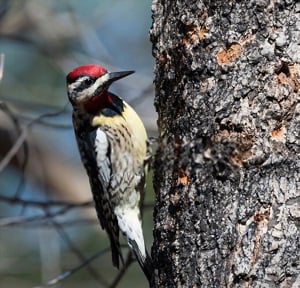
[[22, 137], [13, 150], [23, 163], [77, 252], [70, 272], [32, 106], [13, 221], [128, 262], [46, 123], [54, 125], [43, 204], [67, 223]]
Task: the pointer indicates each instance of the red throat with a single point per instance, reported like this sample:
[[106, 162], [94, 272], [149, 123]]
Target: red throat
[[98, 102]]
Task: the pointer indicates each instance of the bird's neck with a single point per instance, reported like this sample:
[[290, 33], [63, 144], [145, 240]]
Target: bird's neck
[[97, 103], [105, 103]]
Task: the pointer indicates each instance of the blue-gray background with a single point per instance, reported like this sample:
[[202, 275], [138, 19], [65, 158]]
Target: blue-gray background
[[41, 41]]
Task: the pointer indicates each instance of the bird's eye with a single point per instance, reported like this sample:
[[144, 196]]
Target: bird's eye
[[88, 82]]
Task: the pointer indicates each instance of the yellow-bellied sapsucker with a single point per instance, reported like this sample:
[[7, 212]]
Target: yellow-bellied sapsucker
[[112, 142]]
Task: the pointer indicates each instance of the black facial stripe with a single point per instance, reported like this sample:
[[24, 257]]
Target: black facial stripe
[[98, 90], [86, 82]]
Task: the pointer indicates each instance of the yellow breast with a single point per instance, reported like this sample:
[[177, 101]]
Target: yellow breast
[[134, 124]]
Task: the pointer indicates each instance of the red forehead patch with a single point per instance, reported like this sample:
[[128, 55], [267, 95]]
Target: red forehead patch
[[88, 69]]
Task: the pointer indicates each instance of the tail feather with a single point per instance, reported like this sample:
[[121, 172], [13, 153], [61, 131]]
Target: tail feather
[[131, 227], [144, 261], [116, 252]]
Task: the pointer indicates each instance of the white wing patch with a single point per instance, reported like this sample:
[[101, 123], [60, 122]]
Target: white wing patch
[[103, 162]]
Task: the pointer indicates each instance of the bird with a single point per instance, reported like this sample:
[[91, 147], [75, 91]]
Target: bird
[[112, 143]]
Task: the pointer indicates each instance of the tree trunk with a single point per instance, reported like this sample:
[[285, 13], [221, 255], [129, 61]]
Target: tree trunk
[[227, 170]]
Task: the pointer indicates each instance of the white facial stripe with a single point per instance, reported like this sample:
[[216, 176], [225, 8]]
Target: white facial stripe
[[88, 92], [77, 83]]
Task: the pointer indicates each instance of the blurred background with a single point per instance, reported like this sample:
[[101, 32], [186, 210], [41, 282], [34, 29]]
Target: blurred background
[[47, 223]]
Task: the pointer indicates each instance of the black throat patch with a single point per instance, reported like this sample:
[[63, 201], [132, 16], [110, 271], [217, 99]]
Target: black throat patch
[[116, 107]]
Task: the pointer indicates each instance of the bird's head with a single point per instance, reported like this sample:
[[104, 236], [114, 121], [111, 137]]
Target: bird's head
[[88, 84]]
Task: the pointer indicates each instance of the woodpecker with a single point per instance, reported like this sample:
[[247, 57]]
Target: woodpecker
[[112, 142]]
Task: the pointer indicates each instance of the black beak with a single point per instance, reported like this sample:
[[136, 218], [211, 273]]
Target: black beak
[[114, 76]]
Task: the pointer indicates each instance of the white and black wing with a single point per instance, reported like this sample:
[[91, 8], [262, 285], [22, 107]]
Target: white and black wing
[[95, 154]]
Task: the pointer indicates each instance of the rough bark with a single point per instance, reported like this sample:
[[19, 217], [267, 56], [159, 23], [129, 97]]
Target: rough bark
[[227, 170]]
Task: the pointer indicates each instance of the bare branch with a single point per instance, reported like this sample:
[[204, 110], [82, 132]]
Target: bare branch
[[70, 272], [23, 162], [78, 253], [22, 137], [43, 204], [13, 221], [68, 223], [128, 262]]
